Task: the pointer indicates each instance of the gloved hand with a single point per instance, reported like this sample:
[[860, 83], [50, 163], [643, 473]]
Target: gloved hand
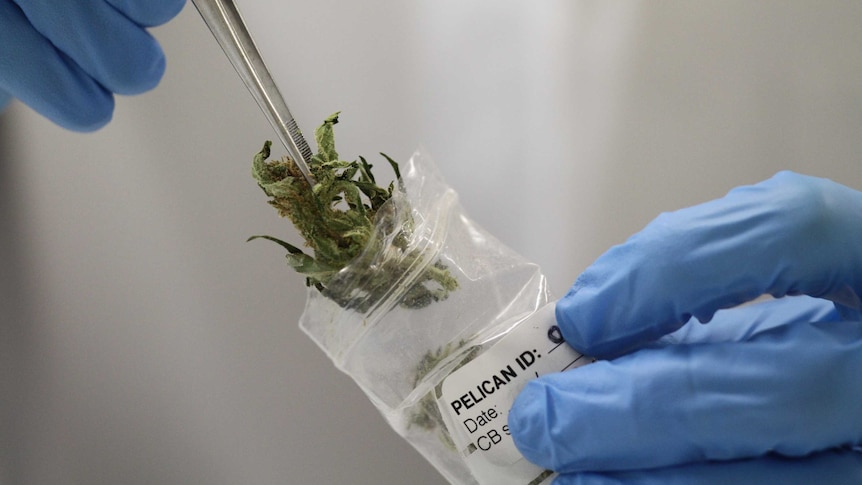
[[65, 59], [764, 392]]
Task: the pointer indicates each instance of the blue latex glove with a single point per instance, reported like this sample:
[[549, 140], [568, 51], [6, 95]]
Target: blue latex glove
[[768, 391], [66, 59]]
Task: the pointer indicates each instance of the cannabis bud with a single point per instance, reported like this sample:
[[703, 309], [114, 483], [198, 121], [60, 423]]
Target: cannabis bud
[[338, 217]]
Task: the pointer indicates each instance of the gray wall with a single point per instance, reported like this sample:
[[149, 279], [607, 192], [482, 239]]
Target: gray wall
[[143, 341]]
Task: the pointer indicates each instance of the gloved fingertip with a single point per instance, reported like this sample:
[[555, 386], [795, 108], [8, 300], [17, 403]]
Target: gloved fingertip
[[94, 116], [142, 76], [528, 422], [153, 76], [578, 324], [566, 311]]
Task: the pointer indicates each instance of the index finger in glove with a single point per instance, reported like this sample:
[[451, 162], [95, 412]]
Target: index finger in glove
[[789, 235]]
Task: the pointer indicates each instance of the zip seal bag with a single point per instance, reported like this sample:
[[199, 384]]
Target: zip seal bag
[[437, 363]]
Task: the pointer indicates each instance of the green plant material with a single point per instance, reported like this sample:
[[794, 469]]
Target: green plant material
[[427, 414], [337, 218]]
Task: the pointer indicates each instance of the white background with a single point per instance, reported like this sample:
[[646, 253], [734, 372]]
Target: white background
[[143, 341]]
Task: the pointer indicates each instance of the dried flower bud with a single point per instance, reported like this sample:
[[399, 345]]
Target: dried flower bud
[[337, 217]]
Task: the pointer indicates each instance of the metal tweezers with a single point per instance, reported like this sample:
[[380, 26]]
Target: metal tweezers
[[226, 24]]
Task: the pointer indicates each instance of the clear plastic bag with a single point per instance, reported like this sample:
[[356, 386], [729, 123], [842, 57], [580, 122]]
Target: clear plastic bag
[[399, 351]]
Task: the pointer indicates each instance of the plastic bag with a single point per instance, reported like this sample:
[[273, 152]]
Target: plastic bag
[[399, 351]]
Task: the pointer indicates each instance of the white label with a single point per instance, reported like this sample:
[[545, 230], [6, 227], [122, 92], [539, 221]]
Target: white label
[[475, 399]]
